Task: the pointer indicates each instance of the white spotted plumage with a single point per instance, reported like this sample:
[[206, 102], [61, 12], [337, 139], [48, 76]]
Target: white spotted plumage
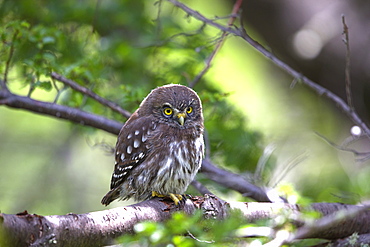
[[136, 143]]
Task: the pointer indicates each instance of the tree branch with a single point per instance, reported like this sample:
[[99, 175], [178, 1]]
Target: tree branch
[[200, 187], [355, 240], [74, 85], [90, 229], [346, 214], [59, 111], [233, 181], [100, 228]]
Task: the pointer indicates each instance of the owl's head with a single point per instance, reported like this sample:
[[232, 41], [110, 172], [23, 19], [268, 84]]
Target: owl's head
[[177, 105]]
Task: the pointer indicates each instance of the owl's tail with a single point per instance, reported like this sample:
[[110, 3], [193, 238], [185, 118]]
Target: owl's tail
[[110, 196]]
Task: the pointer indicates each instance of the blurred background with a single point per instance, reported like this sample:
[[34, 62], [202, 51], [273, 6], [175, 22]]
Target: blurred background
[[123, 49]]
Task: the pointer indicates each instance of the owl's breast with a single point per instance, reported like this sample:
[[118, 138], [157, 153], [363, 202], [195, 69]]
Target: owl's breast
[[173, 159], [178, 167]]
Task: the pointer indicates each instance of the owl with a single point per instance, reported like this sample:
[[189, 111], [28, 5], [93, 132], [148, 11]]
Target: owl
[[160, 148]]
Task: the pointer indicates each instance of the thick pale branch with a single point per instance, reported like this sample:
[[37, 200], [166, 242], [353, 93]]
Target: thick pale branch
[[99, 228], [90, 229]]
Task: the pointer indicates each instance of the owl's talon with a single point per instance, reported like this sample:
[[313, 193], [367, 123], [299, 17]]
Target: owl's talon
[[176, 198], [156, 194]]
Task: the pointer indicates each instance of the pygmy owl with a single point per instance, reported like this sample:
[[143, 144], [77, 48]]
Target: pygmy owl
[[160, 148]]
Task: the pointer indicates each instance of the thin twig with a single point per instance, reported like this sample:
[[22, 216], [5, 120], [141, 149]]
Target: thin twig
[[32, 87], [169, 39], [8, 61], [225, 17], [158, 20], [200, 17], [59, 91], [201, 241], [85, 97], [348, 64], [115, 107], [3, 85], [351, 139], [342, 105], [361, 156], [219, 44]]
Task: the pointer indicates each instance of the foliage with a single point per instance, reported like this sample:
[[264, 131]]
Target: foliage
[[121, 55], [186, 230], [199, 230], [229, 138]]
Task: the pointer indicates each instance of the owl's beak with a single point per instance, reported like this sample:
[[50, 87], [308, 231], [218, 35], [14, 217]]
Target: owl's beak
[[181, 117]]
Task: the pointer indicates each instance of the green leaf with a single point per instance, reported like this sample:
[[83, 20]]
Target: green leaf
[[45, 85]]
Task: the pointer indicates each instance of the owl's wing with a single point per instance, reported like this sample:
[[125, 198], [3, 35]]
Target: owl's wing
[[131, 151]]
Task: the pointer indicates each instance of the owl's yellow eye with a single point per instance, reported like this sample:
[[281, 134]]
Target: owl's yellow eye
[[189, 110], [167, 111]]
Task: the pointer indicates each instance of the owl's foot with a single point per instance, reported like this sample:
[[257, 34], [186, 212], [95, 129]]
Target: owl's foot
[[176, 198]]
